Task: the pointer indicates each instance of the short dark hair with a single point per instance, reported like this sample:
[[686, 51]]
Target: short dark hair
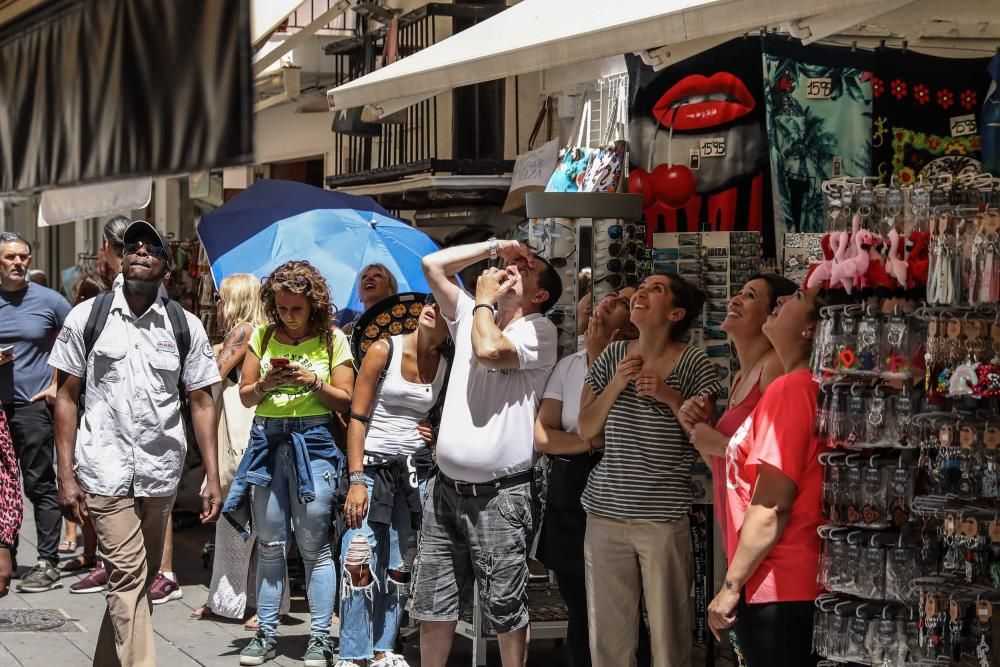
[[14, 237], [778, 286], [114, 232], [549, 281], [688, 296]]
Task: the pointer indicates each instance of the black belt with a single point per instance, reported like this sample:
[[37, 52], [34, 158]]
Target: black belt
[[486, 489]]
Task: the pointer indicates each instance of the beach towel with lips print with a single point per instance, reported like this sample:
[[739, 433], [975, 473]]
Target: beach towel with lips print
[[715, 102], [925, 113]]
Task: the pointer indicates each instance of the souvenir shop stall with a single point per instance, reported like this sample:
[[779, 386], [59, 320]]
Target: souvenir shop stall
[[872, 174]]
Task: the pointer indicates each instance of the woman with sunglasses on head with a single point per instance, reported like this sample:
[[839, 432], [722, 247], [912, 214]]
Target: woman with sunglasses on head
[[375, 282], [774, 487], [388, 456], [296, 374], [759, 364], [638, 497]]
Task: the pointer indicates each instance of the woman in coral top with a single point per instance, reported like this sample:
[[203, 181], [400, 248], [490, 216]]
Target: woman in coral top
[[774, 483]]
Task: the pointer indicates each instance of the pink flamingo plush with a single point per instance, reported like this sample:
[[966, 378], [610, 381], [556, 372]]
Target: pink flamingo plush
[[831, 244], [851, 269], [894, 262]]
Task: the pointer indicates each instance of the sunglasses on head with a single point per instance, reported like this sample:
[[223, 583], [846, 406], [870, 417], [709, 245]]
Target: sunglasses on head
[[154, 249], [429, 300]]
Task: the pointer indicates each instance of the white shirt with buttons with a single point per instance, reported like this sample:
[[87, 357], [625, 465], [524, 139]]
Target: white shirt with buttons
[[131, 437]]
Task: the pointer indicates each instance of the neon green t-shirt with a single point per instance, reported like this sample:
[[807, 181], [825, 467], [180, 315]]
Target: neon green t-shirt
[[289, 400]]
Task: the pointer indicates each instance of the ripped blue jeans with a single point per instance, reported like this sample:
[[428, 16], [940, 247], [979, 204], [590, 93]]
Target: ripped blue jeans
[[274, 510], [370, 616]]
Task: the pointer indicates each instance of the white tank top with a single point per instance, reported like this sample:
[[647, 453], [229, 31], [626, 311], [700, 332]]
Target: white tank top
[[399, 406]]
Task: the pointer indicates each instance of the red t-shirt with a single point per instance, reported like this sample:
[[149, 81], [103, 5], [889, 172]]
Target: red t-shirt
[[781, 434]]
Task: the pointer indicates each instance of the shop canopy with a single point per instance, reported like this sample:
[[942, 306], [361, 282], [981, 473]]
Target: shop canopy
[[95, 90], [540, 34]]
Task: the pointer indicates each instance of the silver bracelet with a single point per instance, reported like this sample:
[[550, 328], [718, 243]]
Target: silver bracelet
[[359, 478]]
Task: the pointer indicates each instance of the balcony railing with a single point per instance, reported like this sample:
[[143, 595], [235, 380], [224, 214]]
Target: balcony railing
[[410, 146]]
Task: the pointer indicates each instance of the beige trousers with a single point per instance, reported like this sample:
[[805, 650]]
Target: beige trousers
[[130, 533], [626, 560]]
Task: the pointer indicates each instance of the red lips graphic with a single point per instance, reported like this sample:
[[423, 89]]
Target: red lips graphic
[[710, 113]]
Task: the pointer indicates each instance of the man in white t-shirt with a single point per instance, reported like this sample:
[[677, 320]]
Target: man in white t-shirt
[[480, 510]]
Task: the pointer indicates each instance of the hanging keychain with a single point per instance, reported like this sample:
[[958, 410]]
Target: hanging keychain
[[989, 483], [956, 612], [868, 343], [983, 629], [895, 351], [964, 380]]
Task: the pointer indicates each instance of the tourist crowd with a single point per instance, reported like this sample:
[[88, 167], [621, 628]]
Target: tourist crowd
[[412, 483]]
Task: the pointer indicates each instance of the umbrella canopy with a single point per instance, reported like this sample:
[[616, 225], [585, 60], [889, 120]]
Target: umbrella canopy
[[275, 221]]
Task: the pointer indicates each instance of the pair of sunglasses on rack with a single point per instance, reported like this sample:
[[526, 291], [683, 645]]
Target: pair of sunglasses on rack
[[617, 232], [620, 280]]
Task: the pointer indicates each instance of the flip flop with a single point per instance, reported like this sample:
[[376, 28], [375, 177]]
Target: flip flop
[[67, 546], [202, 612]]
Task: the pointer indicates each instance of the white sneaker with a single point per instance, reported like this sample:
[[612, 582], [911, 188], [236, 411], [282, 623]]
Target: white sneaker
[[390, 659]]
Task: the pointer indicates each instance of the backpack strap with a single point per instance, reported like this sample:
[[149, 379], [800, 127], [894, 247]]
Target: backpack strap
[[96, 320], [378, 387], [178, 322], [267, 338]]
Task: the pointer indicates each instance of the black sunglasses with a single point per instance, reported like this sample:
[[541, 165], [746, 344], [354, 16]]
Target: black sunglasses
[[616, 265], [559, 262], [556, 316], [429, 300], [154, 249], [617, 249], [619, 280]]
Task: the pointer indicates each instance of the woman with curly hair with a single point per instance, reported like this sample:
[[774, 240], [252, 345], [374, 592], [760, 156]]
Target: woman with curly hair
[[297, 373]]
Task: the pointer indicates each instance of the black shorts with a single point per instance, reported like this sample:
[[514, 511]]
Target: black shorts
[[462, 537]]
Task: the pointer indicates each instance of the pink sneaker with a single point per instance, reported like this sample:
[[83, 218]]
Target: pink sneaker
[[164, 590], [95, 582]]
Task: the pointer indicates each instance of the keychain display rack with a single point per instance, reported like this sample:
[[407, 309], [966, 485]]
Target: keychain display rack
[[909, 370]]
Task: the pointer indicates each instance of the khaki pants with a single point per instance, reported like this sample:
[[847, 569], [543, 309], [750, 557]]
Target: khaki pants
[[130, 533], [626, 560]]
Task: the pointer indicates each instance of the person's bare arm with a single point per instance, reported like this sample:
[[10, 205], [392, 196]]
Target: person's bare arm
[[72, 502], [439, 267], [203, 419], [336, 394], [549, 436], [361, 406], [765, 521], [234, 347]]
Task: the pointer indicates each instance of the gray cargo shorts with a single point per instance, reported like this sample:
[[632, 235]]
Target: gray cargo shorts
[[462, 537]]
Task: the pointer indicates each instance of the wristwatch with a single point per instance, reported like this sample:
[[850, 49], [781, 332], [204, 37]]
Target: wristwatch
[[359, 478], [493, 248]]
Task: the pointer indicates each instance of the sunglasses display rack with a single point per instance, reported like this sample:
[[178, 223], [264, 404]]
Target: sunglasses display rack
[[556, 239], [910, 410], [621, 256]]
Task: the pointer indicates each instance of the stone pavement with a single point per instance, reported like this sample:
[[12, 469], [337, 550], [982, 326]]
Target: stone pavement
[[180, 640]]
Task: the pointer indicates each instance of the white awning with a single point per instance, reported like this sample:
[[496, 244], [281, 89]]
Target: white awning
[[537, 34]]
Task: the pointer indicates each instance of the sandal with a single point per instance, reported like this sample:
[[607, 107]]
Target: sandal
[[202, 612], [81, 562], [67, 546], [252, 623]]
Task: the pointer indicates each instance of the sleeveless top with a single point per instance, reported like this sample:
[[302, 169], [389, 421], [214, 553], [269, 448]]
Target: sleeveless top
[[400, 404], [727, 425]]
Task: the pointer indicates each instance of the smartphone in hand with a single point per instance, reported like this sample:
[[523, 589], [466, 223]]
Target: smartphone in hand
[[279, 362]]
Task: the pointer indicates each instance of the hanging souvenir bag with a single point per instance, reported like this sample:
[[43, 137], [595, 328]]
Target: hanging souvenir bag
[[533, 169], [608, 164], [574, 160]]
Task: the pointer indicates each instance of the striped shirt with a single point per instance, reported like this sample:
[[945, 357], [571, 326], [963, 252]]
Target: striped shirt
[[646, 470]]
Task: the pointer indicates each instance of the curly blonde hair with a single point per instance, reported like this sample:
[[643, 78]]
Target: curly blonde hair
[[301, 277], [241, 301]]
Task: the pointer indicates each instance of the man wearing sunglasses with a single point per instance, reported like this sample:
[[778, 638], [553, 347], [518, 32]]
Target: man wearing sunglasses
[[480, 510], [120, 464]]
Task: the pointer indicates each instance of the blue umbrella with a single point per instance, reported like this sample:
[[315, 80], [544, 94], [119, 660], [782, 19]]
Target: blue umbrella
[[273, 221]]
